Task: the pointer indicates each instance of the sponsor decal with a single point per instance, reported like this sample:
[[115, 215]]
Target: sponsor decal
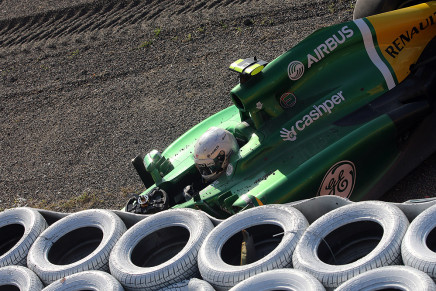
[[288, 100], [339, 180], [213, 151], [404, 38], [288, 135], [329, 45], [296, 68], [318, 111]]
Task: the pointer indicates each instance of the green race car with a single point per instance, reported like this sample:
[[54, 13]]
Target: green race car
[[348, 111]]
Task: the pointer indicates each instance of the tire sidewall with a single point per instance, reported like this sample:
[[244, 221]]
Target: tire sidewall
[[400, 277], [93, 280], [365, 8], [387, 251], [291, 279], [21, 277], [223, 276], [34, 224], [414, 248], [180, 267], [109, 223]]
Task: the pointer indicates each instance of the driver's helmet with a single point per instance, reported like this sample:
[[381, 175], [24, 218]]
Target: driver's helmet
[[212, 152]]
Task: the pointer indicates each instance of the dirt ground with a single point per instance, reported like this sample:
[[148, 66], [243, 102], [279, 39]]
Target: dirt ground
[[85, 86]]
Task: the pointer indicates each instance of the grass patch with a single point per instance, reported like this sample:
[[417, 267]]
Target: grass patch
[[223, 25], [148, 43], [157, 32], [76, 203], [267, 21], [86, 200], [188, 37], [145, 44], [74, 54], [331, 8]]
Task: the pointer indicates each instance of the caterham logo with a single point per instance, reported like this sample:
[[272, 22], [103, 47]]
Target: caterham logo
[[339, 180], [295, 70]]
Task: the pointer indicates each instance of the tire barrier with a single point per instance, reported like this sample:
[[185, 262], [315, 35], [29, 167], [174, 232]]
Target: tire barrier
[[19, 278], [275, 231], [192, 284], [351, 240], [281, 279], [160, 250], [79, 242], [419, 244], [186, 249], [87, 280], [388, 278], [19, 228]]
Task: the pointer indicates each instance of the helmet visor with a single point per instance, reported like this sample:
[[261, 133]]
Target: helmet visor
[[214, 167]]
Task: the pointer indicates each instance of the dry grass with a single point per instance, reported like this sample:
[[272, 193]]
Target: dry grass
[[86, 200]]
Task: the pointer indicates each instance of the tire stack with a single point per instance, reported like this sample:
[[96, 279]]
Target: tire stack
[[360, 246]]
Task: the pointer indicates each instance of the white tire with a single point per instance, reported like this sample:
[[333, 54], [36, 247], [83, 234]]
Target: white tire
[[281, 279], [216, 257], [88, 280], [193, 284], [351, 240], [160, 250], [78, 242], [19, 228], [365, 8], [419, 244], [390, 277], [19, 278]]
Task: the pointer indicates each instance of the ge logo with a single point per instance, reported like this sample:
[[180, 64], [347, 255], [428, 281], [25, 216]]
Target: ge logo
[[339, 180], [295, 70]]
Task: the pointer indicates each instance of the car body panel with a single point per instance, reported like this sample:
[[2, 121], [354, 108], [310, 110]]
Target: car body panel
[[321, 119], [402, 44]]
